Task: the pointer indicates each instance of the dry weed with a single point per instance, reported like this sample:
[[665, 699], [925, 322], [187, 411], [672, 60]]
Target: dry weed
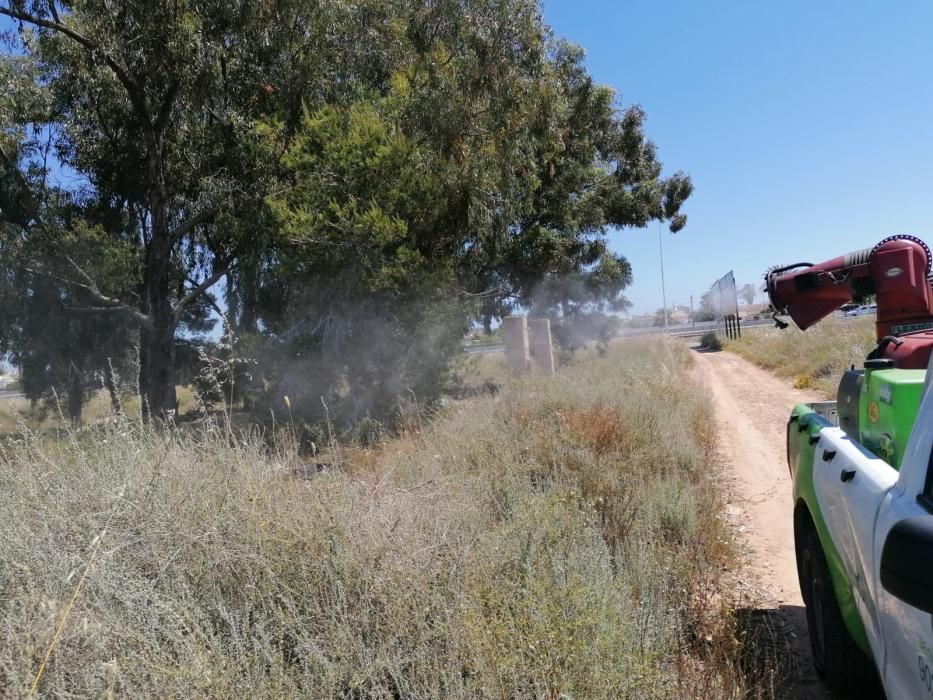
[[813, 359], [544, 542]]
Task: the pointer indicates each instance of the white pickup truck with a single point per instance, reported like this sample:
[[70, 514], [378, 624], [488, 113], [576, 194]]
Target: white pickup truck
[[863, 523]]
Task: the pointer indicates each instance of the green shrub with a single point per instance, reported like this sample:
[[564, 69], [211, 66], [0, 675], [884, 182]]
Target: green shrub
[[711, 341]]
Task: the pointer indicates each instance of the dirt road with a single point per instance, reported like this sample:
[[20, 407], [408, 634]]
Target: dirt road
[[752, 406]]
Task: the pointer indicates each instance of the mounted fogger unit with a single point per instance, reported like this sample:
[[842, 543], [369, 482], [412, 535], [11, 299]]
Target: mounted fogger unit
[[876, 405]]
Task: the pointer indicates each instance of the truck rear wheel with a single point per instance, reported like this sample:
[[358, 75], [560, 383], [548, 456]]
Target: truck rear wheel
[[838, 660]]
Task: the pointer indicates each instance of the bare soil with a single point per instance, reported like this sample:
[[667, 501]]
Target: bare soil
[[752, 407]]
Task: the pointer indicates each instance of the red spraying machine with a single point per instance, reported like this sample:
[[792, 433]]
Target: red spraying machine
[[896, 271]]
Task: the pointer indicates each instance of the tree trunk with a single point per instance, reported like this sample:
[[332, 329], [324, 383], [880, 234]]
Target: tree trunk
[[233, 304], [75, 396], [157, 383], [157, 362], [242, 299], [157, 368], [249, 304]]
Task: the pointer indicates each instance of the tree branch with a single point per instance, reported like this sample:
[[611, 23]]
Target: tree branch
[[202, 217], [49, 24], [140, 318], [201, 288], [165, 111], [104, 303], [213, 303], [122, 74], [206, 215], [90, 285]]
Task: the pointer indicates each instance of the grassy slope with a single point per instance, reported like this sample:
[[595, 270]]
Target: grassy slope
[[814, 358], [560, 537]]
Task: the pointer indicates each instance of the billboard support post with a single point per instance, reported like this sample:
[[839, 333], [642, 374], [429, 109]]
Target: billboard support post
[[726, 306]]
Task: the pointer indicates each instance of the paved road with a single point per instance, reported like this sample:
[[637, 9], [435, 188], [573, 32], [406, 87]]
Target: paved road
[[9, 394]]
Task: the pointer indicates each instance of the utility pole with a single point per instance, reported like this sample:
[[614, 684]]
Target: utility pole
[[693, 321], [663, 291]]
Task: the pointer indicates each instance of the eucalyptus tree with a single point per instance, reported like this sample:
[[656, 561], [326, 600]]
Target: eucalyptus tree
[[540, 161], [485, 174], [60, 352], [154, 104], [426, 162]]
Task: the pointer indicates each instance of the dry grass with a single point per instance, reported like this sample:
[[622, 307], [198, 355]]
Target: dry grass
[[11, 413], [559, 539], [17, 412], [813, 359], [477, 372]]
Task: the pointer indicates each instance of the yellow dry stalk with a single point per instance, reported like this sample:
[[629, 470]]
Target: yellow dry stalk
[[65, 613], [71, 603]]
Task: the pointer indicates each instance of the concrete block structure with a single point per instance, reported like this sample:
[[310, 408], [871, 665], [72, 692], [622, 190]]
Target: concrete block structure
[[542, 350], [515, 332]]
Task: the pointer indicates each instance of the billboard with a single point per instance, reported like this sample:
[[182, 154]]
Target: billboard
[[724, 298], [725, 303]]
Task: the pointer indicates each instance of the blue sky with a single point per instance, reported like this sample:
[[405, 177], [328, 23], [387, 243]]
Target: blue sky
[[807, 127]]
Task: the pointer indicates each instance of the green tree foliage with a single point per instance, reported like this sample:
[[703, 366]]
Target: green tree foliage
[[366, 178], [483, 178], [366, 308], [46, 235], [661, 318], [62, 351], [706, 310], [155, 104]]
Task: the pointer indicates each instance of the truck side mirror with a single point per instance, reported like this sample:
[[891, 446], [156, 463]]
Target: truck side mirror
[[906, 571]]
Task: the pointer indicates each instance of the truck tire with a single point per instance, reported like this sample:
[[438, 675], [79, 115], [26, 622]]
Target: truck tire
[[841, 664]]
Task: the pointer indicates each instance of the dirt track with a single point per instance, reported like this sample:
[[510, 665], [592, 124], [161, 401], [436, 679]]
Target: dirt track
[[752, 407]]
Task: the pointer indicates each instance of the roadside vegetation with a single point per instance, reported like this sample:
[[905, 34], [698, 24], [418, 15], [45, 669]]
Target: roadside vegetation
[[561, 538], [711, 341], [44, 416], [813, 359], [325, 195]]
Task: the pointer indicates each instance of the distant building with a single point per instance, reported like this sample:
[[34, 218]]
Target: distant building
[[678, 316]]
